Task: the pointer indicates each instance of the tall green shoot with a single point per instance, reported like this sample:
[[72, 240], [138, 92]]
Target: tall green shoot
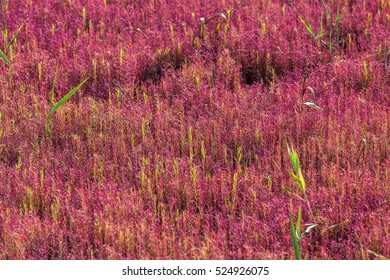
[[3, 57], [296, 174]]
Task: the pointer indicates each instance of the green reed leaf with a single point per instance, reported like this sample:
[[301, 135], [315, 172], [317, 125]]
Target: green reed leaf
[[67, 96], [295, 241], [2, 55]]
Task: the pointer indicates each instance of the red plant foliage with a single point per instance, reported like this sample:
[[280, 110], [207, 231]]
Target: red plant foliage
[[176, 146]]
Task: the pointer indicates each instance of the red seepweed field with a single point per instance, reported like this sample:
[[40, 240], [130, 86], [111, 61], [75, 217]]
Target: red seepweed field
[[195, 129]]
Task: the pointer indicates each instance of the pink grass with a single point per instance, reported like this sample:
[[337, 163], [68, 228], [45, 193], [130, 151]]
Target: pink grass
[[117, 177]]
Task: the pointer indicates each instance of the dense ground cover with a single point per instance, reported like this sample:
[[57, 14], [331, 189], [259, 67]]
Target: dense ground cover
[[177, 145]]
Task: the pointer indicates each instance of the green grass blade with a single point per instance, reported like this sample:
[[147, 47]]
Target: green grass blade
[[299, 222], [302, 181], [15, 36], [5, 59], [67, 96], [294, 159], [5, 35], [299, 219], [295, 177], [295, 241], [308, 27]]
